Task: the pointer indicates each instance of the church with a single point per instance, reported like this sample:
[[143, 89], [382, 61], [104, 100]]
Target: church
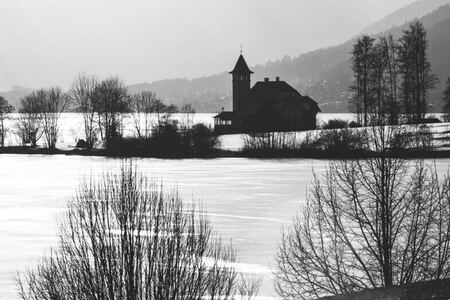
[[270, 105]]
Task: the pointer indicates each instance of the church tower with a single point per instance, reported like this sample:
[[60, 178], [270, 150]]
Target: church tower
[[241, 84]]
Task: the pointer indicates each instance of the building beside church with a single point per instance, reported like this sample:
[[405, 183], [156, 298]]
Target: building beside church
[[267, 106]]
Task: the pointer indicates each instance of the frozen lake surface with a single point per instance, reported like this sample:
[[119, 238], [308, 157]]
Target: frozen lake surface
[[248, 200]]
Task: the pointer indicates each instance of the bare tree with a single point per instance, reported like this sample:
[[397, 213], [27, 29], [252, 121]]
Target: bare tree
[[367, 223], [391, 78], [187, 116], [125, 238], [82, 93], [377, 81], [5, 110], [163, 113], [110, 102], [29, 125], [143, 106], [248, 287], [362, 63], [51, 107]]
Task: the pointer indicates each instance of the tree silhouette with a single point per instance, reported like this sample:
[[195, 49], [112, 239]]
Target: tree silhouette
[[367, 223], [5, 110], [123, 237]]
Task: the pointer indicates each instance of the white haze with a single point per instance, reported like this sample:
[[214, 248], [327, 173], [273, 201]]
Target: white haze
[[47, 42]]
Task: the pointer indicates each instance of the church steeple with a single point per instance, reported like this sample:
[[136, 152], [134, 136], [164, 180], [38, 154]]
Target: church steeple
[[241, 67], [241, 83]]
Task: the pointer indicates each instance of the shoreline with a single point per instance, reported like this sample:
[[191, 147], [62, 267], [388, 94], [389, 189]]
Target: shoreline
[[251, 154]]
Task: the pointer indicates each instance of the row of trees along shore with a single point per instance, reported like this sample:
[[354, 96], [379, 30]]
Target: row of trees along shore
[[103, 105], [392, 78]]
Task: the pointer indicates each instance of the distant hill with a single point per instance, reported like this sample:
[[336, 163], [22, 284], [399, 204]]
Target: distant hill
[[332, 90], [323, 74], [13, 96], [404, 15]]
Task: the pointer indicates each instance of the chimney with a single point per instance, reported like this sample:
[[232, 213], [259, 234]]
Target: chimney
[[277, 78], [266, 79]]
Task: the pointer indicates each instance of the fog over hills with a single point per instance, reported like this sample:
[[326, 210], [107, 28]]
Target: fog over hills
[[331, 90], [15, 94], [48, 42], [323, 74], [401, 16]]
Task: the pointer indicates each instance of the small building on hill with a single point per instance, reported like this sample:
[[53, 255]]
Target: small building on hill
[[267, 106]]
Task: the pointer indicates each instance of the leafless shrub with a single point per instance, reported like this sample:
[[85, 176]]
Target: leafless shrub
[[125, 238], [367, 223], [269, 141], [341, 140], [248, 287]]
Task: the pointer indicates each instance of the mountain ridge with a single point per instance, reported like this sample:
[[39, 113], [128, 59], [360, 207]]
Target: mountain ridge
[[404, 15], [323, 74]]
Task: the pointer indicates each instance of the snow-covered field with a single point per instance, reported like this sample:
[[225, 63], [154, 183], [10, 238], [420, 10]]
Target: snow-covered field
[[248, 200]]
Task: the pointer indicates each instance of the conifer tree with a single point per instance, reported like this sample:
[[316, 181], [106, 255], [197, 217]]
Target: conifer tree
[[417, 76], [446, 99], [361, 66]]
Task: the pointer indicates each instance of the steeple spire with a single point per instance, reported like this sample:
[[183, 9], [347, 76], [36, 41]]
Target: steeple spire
[[241, 67], [241, 83]]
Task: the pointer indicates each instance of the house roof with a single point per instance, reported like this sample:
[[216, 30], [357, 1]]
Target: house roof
[[269, 89], [225, 115], [241, 67]]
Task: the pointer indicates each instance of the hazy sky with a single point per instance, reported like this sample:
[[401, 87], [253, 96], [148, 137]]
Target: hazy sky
[[46, 43]]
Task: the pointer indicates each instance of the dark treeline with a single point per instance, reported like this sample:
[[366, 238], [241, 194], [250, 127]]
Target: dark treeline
[[392, 78], [346, 142], [104, 104], [446, 99]]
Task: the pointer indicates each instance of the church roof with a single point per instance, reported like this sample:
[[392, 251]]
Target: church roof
[[269, 89], [241, 67], [225, 115]]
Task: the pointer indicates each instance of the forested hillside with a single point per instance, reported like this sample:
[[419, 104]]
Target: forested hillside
[[323, 74]]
